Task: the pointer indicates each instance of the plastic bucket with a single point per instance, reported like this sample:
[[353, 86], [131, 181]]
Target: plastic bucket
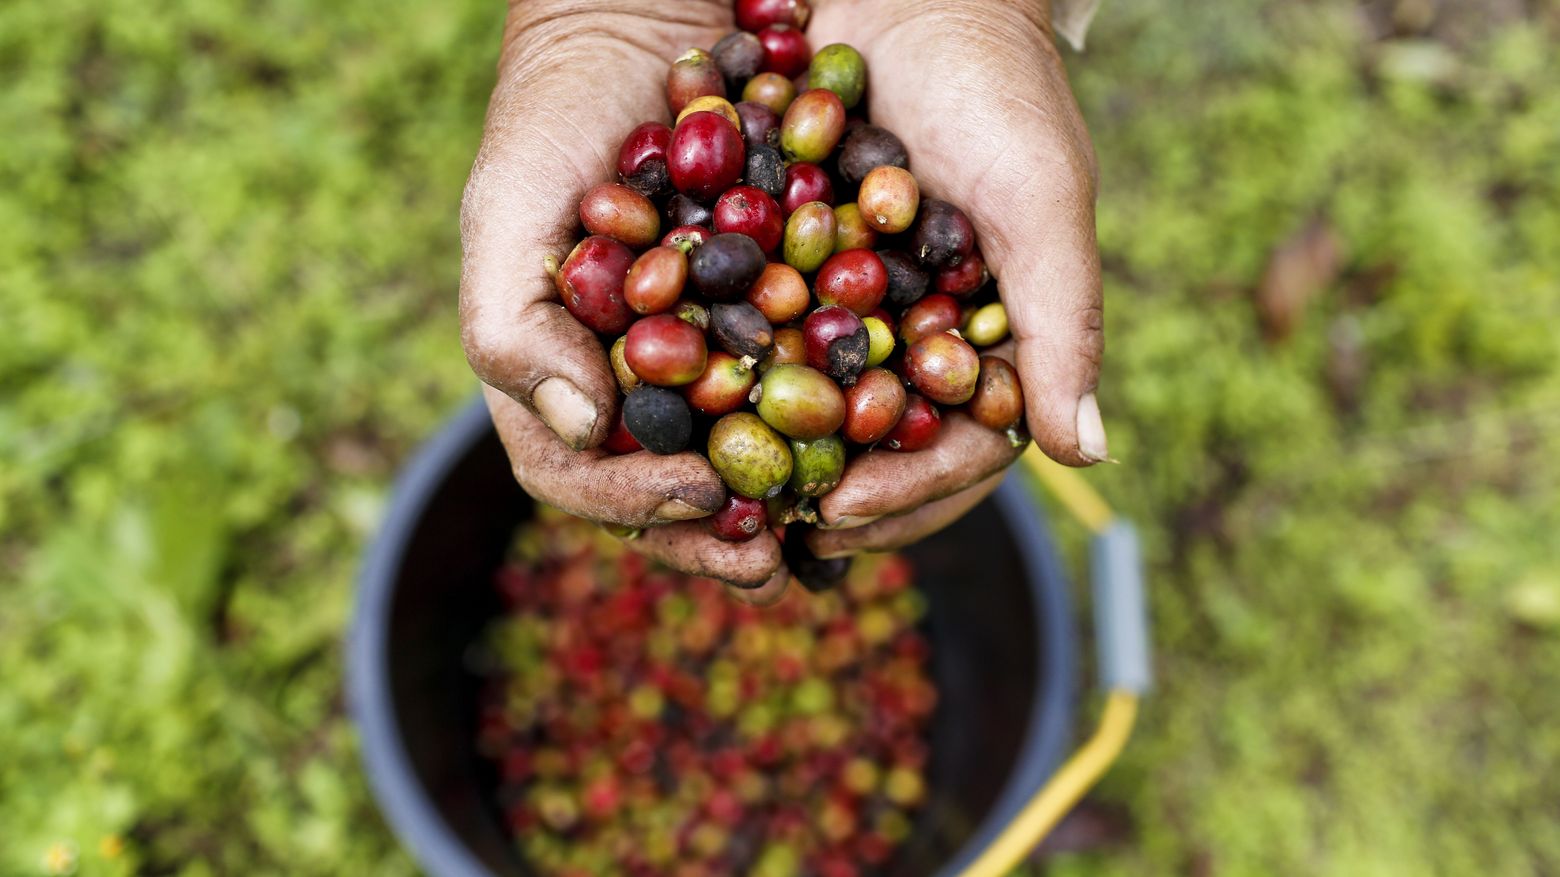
[[1000, 622]]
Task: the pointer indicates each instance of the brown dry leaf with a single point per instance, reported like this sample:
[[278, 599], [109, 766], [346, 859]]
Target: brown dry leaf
[[1300, 269]]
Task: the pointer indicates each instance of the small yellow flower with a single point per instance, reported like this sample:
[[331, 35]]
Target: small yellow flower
[[59, 858], [111, 846]]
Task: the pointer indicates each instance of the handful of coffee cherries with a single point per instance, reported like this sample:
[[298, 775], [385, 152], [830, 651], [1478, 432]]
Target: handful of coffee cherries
[[772, 286]]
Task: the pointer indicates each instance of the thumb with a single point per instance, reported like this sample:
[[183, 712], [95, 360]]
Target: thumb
[[1047, 260]]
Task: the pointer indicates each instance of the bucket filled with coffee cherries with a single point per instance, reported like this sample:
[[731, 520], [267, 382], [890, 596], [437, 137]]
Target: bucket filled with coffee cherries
[[772, 287]]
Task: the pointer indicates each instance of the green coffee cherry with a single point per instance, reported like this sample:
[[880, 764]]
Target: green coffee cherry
[[818, 465], [749, 456], [809, 236], [880, 340], [840, 69], [987, 326]]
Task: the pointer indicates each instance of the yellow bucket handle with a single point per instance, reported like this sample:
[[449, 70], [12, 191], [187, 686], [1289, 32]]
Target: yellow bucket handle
[[1122, 625]]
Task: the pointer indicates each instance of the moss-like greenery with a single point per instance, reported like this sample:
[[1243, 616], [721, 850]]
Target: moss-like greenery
[[228, 259]]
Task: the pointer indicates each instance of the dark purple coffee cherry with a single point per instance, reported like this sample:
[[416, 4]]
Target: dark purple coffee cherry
[[906, 281], [658, 419], [815, 573], [725, 266], [742, 331], [942, 235], [765, 170], [867, 147]]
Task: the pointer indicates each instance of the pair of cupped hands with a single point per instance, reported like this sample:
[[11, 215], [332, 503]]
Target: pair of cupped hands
[[977, 92]]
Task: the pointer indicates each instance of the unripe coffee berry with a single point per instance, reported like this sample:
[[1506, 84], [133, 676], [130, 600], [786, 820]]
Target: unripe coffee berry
[[817, 465], [749, 456], [812, 126], [770, 89], [840, 69], [880, 339], [809, 236], [801, 402], [620, 213], [988, 325], [851, 231], [711, 103], [693, 75]]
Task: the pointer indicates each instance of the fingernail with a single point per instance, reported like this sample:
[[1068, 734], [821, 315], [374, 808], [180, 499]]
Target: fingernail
[[837, 554], [846, 522], [677, 510], [565, 410], [1091, 430]]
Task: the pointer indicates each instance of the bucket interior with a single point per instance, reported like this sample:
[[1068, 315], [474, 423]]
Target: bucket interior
[[988, 635]]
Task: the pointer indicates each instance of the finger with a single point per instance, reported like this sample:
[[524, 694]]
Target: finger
[[633, 490], [883, 482], [1047, 259], [541, 150], [897, 532], [688, 547], [767, 594]]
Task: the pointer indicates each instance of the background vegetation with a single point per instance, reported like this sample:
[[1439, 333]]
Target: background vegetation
[[228, 259]]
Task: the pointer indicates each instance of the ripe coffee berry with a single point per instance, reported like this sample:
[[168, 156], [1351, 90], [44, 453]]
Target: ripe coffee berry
[[740, 519], [780, 293], [620, 440], [805, 182], [655, 280], [837, 342], [687, 238], [789, 349], [917, 426], [706, 156], [749, 210], [854, 279], [785, 50], [722, 388], [963, 278], [665, 351], [929, 316], [755, 15], [873, 406], [642, 159], [943, 367], [998, 402], [590, 283]]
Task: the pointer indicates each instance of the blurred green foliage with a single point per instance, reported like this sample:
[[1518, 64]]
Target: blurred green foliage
[[228, 259]]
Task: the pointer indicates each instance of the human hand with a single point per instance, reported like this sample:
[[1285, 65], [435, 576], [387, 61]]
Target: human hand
[[573, 80], [977, 92]]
